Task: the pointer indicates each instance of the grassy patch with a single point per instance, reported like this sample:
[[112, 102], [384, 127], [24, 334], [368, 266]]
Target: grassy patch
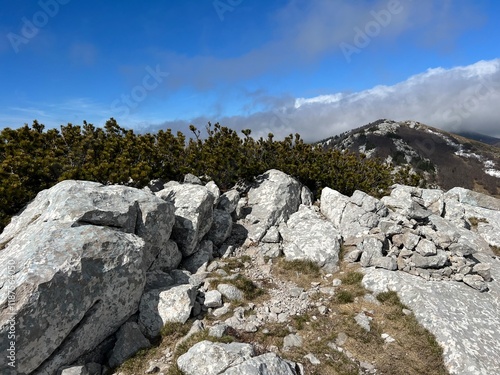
[[301, 272], [474, 221], [137, 363], [250, 290], [174, 330], [344, 296], [495, 249], [352, 278], [300, 321]]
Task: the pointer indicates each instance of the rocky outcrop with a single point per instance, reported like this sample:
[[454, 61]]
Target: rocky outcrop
[[79, 254], [353, 216], [416, 233], [466, 323], [126, 262]]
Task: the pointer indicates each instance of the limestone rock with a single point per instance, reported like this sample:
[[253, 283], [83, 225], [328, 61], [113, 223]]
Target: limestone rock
[[459, 316], [354, 216], [168, 258], [214, 189], [228, 201], [272, 236], [192, 179], [433, 261], [78, 242], [307, 236], [213, 298], [371, 248], [158, 307], [291, 341], [483, 270], [265, 364], [230, 292], [476, 282], [74, 370], [158, 279], [473, 198], [426, 248], [211, 358], [410, 240], [272, 199], [202, 256], [129, 340], [221, 227], [332, 205], [363, 321], [193, 214], [306, 196]]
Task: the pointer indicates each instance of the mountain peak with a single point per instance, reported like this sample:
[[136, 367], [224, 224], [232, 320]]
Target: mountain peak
[[442, 159]]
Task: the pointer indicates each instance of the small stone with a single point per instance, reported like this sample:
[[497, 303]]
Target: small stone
[[367, 367], [75, 370], [222, 310], [426, 248], [314, 361], [387, 338], [353, 256], [322, 310], [218, 330], [152, 369], [296, 292], [363, 321], [213, 298], [371, 298], [230, 292], [476, 282], [336, 282], [410, 240], [292, 340], [341, 339], [483, 270], [192, 179]]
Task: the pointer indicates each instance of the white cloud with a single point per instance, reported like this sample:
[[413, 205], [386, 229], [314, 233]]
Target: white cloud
[[460, 98]]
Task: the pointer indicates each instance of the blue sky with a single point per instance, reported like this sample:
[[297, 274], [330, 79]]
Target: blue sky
[[317, 67]]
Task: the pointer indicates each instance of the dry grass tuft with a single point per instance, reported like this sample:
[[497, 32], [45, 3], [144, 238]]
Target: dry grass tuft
[[300, 272]]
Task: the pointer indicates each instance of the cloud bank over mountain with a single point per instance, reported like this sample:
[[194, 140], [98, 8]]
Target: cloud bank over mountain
[[458, 99]]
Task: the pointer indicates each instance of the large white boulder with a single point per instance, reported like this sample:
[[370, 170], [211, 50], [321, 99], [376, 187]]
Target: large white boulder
[[211, 358], [77, 257], [307, 236], [193, 214], [160, 306], [271, 200]]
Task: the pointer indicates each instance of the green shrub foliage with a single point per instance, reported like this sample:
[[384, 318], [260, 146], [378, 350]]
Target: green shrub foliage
[[33, 159]]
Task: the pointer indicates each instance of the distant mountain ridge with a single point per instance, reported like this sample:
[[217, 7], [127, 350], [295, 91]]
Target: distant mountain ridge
[[481, 138], [443, 159]]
